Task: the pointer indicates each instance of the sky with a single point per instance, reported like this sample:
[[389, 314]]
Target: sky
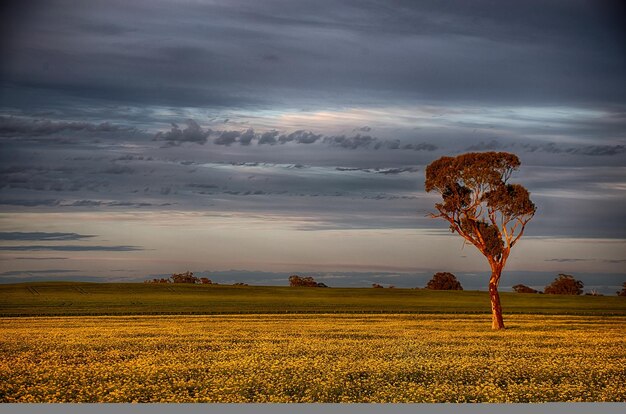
[[250, 140]]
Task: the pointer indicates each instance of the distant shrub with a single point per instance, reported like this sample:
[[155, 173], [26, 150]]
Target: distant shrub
[[306, 281], [565, 285], [524, 289], [157, 281], [240, 284], [377, 286], [444, 281], [205, 281], [623, 291]]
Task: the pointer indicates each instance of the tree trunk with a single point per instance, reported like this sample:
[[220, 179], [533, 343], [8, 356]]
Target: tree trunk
[[496, 309]]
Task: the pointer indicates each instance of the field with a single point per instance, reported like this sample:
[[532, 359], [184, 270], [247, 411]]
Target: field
[[312, 358], [155, 343], [61, 299]]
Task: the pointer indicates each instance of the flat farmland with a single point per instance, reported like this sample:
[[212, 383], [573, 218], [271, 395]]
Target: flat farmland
[[64, 298], [83, 342], [312, 358]]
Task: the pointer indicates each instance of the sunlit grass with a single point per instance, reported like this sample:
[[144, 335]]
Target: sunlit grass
[[312, 358]]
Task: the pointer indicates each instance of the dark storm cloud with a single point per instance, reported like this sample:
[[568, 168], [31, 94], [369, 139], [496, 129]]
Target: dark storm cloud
[[62, 248], [335, 53], [42, 236]]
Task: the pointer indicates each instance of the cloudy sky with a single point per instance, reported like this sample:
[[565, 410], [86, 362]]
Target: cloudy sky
[[249, 140]]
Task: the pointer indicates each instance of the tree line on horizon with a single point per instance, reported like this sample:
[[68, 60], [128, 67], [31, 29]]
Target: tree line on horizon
[[564, 284]]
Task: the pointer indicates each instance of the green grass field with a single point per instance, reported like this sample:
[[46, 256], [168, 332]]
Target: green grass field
[[71, 298]]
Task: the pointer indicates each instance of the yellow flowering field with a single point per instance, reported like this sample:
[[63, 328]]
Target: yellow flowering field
[[312, 358]]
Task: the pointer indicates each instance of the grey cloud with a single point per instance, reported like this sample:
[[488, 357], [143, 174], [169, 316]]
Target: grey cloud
[[567, 260], [384, 171], [247, 137], [99, 203], [13, 126], [63, 248], [31, 203], [128, 157], [600, 150], [118, 170], [202, 186], [192, 133], [353, 142], [422, 146], [407, 50], [227, 138], [300, 137], [396, 170], [587, 150], [37, 272], [43, 236], [268, 138], [485, 146]]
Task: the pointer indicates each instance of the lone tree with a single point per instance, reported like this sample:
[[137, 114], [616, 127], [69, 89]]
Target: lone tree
[[565, 285], [623, 291], [483, 208], [444, 281]]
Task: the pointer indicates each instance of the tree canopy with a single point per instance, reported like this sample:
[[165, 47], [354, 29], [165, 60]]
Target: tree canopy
[[478, 201]]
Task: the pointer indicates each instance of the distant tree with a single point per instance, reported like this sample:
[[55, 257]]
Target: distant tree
[[377, 286], [524, 289], [483, 208], [297, 281], [240, 284], [444, 281], [623, 291], [186, 277], [392, 286], [205, 281], [565, 285]]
